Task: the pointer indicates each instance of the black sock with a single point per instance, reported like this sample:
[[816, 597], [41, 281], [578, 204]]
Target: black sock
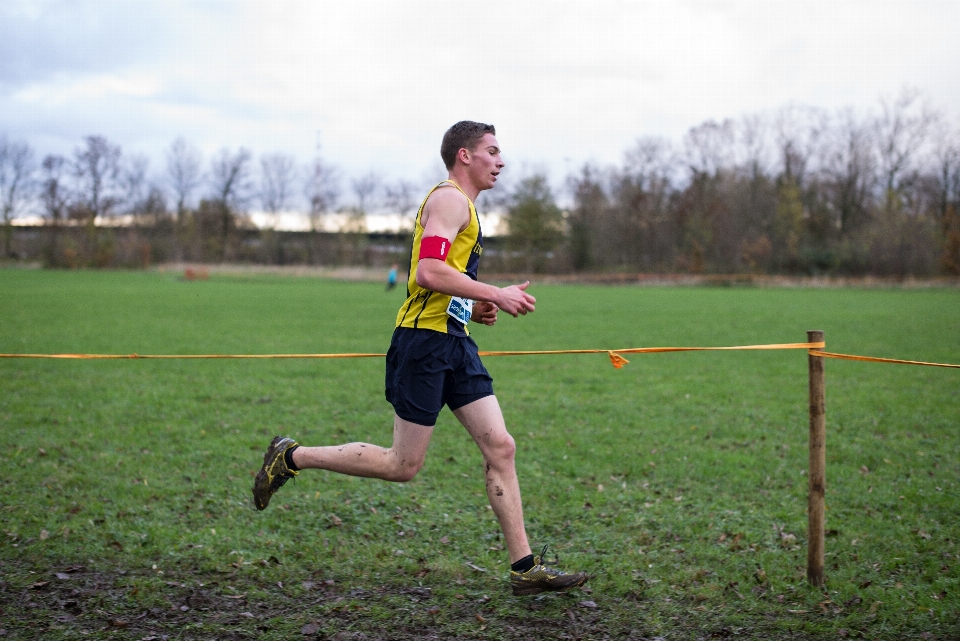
[[523, 564], [288, 459]]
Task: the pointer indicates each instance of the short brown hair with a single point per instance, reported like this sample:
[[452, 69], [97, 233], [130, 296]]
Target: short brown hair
[[463, 135]]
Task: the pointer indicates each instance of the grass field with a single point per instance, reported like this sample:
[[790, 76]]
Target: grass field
[[678, 481]]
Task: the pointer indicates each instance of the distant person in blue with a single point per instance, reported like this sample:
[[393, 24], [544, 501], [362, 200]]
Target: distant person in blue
[[392, 278]]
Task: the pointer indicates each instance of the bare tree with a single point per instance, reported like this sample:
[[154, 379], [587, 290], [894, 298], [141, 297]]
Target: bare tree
[[849, 171], [401, 197], [707, 147], [183, 173], [146, 201], [900, 131], [54, 196], [799, 132], [649, 161], [637, 228], [230, 180], [946, 181], [752, 145], [705, 216], [366, 189], [53, 192], [590, 207], [16, 171], [277, 172], [946, 155], [96, 168], [133, 177], [322, 189]]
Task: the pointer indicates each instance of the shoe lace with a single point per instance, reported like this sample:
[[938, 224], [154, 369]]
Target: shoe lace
[[285, 476], [540, 557]]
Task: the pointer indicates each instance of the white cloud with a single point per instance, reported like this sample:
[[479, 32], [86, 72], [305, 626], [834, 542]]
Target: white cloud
[[66, 92], [381, 80]]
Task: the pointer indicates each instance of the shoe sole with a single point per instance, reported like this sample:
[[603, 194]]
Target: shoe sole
[[538, 589], [262, 474]]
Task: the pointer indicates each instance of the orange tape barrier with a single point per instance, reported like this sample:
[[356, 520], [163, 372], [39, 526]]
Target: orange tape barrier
[[619, 361], [168, 356], [874, 359], [616, 359], [615, 355]]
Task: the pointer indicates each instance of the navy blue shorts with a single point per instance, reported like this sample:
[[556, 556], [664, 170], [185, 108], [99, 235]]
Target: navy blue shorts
[[427, 370]]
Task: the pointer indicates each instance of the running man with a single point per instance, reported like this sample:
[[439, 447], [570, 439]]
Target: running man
[[432, 361]]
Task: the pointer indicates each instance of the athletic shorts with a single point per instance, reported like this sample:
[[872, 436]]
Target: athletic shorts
[[427, 370]]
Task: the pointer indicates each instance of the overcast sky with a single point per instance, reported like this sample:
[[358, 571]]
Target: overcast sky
[[377, 82]]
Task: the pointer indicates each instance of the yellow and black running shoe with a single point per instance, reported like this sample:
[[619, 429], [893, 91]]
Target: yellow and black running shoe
[[540, 578], [274, 472]]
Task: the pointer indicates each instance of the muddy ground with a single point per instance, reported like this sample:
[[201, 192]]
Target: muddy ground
[[74, 601]]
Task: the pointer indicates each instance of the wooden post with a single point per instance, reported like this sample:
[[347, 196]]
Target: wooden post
[[818, 463]]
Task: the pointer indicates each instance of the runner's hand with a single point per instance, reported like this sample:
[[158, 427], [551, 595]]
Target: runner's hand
[[515, 301], [484, 312]]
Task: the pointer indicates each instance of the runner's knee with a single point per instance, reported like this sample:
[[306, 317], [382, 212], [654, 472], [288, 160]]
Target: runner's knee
[[502, 448], [404, 470]]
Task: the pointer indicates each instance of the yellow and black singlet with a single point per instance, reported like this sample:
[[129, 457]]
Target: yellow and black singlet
[[427, 309]]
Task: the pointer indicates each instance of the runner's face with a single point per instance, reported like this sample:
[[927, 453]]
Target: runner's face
[[485, 162]]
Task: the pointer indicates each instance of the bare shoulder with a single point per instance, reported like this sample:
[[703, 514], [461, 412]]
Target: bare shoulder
[[447, 203]]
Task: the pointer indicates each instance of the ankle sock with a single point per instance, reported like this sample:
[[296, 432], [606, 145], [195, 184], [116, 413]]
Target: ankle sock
[[523, 564], [288, 459]]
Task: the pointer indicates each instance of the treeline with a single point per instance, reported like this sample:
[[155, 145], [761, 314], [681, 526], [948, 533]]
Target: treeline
[[798, 191], [801, 191], [102, 208]]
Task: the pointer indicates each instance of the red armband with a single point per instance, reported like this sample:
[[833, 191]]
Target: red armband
[[434, 247]]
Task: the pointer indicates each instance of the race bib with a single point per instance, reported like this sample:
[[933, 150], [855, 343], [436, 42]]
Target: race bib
[[460, 308]]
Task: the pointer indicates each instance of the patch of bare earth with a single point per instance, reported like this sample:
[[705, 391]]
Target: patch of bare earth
[[73, 601]]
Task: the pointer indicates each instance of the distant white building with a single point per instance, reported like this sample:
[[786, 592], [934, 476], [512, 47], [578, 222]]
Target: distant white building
[[298, 221], [375, 223]]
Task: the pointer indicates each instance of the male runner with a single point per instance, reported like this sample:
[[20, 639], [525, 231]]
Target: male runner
[[433, 362]]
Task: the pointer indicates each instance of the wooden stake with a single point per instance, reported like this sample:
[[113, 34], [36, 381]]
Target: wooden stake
[[818, 463]]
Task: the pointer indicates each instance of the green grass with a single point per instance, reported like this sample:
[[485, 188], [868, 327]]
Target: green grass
[[677, 481]]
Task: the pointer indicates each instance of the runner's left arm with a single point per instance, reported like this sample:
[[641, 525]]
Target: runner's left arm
[[484, 312]]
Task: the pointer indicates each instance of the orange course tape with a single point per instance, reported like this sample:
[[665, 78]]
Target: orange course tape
[[615, 355], [169, 356], [619, 361], [874, 359], [616, 359]]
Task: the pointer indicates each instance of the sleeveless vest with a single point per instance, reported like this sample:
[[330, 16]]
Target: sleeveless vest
[[427, 309]]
